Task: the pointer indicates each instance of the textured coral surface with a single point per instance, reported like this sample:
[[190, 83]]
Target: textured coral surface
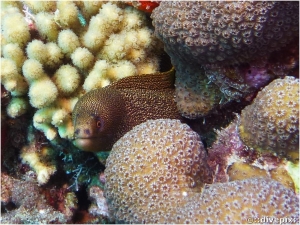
[[156, 161], [224, 45], [30, 205], [235, 202], [271, 122], [225, 32], [152, 180], [55, 52]]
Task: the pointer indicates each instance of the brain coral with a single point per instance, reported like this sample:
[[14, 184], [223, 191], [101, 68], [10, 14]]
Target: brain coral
[[156, 161], [225, 32], [271, 122], [155, 174]]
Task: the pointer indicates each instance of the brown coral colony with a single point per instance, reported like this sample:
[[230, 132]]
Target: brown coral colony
[[225, 32]]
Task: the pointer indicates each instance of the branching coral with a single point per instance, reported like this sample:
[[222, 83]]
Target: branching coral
[[79, 35], [160, 172], [39, 157]]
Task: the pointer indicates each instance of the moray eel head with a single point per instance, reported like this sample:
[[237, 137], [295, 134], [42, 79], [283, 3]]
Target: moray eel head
[[95, 118]]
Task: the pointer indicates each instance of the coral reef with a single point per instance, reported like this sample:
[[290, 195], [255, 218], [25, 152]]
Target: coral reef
[[99, 207], [271, 122], [139, 183], [23, 202], [237, 201], [56, 52], [230, 159], [200, 169], [229, 42], [196, 95], [156, 174], [225, 32]]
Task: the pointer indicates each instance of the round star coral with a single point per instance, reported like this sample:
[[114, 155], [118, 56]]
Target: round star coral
[[271, 122], [223, 41], [235, 202], [225, 32], [158, 173], [151, 167]]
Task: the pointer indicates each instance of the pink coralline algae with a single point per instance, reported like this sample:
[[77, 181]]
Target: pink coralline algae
[[23, 202], [229, 148]]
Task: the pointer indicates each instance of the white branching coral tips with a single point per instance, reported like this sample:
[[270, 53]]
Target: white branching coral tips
[[51, 56]]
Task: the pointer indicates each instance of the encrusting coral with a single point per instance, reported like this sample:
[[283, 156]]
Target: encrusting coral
[[30, 205], [157, 173], [162, 171], [195, 95], [217, 39], [271, 122], [237, 201]]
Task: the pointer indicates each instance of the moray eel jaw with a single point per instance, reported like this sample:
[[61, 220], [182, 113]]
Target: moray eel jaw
[[84, 143], [89, 144]]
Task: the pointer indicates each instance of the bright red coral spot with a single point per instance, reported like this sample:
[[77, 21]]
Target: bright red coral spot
[[146, 6]]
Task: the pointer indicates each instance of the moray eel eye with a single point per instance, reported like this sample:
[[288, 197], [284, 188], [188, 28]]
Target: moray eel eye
[[98, 124]]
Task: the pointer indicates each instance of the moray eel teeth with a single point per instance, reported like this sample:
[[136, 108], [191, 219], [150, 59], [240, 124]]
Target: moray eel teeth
[[103, 115]]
